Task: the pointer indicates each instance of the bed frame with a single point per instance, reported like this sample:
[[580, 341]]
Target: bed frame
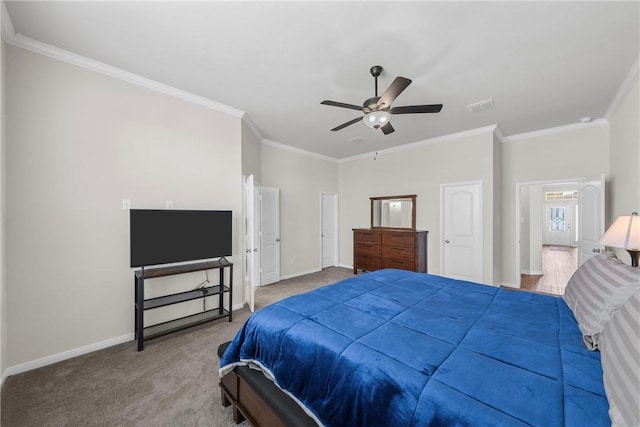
[[257, 399]]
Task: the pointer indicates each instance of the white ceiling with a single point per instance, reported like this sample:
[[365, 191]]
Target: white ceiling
[[545, 64]]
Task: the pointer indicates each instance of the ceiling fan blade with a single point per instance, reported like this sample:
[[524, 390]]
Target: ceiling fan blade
[[349, 123], [341, 104], [410, 109], [387, 129], [392, 92]]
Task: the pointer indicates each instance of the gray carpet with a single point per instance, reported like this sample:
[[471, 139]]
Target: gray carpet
[[173, 382]]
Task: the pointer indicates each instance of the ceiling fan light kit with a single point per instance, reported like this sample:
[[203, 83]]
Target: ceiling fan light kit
[[376, 119], [377, 110]]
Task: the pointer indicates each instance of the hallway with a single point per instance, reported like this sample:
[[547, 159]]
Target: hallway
[[558, 264]]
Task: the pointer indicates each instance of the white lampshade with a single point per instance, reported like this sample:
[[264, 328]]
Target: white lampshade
[[623, 233], [376, 119]]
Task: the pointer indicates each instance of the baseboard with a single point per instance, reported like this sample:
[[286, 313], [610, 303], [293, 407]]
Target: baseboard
[[38, 363], [302, 273], [55, 358], [350, 267], [532, 272], [509, 285]]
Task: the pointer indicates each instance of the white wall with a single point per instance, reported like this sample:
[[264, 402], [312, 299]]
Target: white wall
[[418, 169], [251, 153], [525, 230], [497, 210], [77, 143], [535, 229], [3, 282], [301, 177], [625, 159], [567, 153], [531, 230]]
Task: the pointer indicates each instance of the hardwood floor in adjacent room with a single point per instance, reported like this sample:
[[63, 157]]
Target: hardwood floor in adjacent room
[[558, 264]]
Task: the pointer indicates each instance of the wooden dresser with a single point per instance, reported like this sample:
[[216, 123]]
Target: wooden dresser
[[378, 248]]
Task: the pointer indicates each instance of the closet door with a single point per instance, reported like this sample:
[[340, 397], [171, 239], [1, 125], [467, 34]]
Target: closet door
[[270, 235], [461, 231]]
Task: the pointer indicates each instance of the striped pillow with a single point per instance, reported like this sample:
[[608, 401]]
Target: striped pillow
[[597, 289], [620, 352]]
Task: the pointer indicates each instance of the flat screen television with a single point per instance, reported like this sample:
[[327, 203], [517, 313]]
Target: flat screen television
[[160, 236]]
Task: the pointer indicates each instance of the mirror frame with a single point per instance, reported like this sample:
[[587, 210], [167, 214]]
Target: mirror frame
[[413, 209]]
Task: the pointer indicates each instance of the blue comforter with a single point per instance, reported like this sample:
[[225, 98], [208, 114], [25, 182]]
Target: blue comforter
[[395, 348]]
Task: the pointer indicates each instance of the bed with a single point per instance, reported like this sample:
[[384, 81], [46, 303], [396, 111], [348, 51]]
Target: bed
[[396, 348]]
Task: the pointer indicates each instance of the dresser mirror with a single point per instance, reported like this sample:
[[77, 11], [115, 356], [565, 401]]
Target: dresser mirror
[[393, 211]]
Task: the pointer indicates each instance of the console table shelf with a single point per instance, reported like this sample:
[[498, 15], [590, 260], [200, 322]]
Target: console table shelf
[[183, 322], [183, 297], [140, 304]]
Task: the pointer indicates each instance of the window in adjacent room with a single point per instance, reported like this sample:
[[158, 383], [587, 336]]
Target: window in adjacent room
[[560, 195]]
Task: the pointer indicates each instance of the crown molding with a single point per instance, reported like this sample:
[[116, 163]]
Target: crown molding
[[298, 150], [624, 89], [45, 49], [555, 130], [6, 26], [431, 141], [252, 127]]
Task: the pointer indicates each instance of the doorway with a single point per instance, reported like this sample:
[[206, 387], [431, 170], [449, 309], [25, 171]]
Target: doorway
[[553, 222], [558, 265], [261, 237], [251, 239], [328, 229]]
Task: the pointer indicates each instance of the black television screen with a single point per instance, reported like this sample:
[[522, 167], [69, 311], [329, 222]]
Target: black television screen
[[165, 236]]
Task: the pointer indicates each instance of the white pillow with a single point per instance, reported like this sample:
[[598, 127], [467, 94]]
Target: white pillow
[[596, 290], [620, 349]]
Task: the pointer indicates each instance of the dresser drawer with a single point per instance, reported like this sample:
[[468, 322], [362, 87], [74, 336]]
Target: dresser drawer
[[397, 263], [398, 239], [366, 236], [402, 254], [366, 262], [368, 249]]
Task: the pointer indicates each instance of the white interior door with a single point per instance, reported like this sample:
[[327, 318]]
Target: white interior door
[[461, 228], [590, 217], [250, 234], [328, 230], [270, 235]]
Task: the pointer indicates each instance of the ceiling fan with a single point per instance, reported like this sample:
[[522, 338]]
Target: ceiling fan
[[377, 110]]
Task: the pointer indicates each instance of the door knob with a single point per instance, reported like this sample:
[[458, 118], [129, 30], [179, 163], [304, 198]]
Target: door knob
[[277, 239], [596, 250], [447, 241]]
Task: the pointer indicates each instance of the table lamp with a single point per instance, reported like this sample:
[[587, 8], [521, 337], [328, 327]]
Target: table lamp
[[624, 233]]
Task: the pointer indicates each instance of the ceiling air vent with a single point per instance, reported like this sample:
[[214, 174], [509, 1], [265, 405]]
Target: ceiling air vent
[[482, 105], [357, 140]]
